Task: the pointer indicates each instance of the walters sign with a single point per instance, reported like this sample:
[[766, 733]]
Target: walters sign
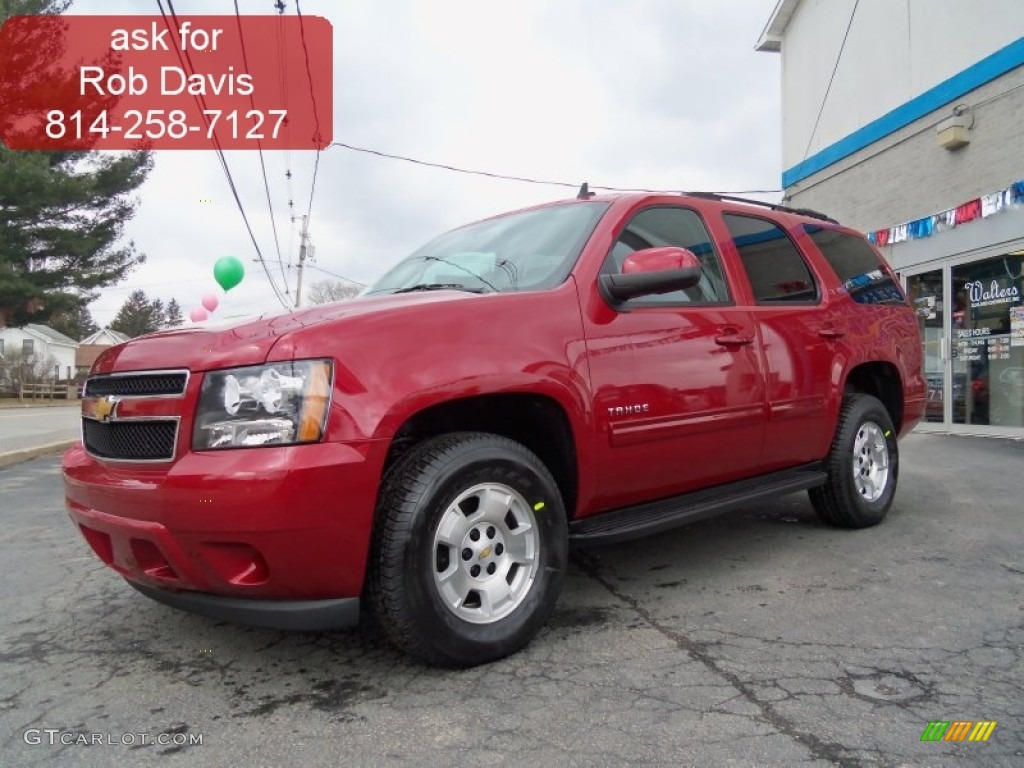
[[984, 294]]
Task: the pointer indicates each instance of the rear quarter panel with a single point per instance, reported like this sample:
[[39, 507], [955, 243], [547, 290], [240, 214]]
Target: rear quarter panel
[[874, 332]]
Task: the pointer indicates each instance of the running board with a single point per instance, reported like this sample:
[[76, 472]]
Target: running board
[[656, 516]]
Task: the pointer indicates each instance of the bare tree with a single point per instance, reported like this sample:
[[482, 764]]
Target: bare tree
[[16, 368], [324, 291]]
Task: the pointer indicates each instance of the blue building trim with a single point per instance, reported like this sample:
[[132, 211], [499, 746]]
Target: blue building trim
[[999, 63]]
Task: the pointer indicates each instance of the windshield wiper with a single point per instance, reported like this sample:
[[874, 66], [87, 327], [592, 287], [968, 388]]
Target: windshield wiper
[[438, 287], [467, 271]]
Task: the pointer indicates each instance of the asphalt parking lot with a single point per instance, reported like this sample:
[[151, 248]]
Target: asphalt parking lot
[[759, 638]]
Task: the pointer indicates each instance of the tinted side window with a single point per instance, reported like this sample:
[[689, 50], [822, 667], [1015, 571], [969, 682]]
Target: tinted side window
[[777, 271], [857, 265], [680, 227]]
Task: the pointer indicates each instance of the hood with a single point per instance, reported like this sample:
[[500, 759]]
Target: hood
[[247, 342]]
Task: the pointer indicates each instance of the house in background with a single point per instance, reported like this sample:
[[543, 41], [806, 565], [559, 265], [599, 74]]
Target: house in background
[[52, 353], [91, 347]]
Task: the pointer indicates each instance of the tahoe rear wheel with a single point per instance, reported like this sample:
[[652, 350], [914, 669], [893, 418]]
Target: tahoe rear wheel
[[469, 550], [862, 466]]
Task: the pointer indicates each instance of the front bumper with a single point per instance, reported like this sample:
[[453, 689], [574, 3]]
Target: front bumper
[[299, 615], [218, 532]]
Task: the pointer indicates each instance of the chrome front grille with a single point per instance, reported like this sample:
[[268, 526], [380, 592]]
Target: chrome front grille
[[131, 440], [149, 384], [133, 416]]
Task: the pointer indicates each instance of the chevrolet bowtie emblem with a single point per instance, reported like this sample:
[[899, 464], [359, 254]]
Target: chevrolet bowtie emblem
[[104, 408]]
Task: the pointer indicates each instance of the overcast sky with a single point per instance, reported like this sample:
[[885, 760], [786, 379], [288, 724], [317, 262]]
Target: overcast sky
[[664, 94]]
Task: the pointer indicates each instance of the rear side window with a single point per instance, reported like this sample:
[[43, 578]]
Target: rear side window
[[856, 265], [777, 272]]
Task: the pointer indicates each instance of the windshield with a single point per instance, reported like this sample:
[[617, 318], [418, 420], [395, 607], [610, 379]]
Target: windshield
[[519, 251]]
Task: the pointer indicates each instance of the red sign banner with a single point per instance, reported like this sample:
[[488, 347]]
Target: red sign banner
[[146, 82]]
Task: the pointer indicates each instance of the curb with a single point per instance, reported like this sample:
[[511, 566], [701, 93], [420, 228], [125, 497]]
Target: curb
[[27, 454], [6, 406]]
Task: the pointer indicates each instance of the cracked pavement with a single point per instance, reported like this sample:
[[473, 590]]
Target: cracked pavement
[[762, 637]]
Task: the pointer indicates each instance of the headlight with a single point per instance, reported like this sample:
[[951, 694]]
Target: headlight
[[275, 404]]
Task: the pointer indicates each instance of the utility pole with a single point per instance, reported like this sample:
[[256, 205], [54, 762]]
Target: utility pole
[[303, 237]]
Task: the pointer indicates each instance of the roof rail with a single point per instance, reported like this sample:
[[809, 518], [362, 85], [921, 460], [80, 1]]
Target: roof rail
[[775, 207]]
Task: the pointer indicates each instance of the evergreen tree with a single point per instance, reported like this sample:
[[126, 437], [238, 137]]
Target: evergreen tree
[[62, 214], [77, 323], [138, 315], [157, 312], [172, 315]]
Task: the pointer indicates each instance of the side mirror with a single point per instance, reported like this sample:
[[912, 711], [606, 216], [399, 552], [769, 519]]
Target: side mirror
[[650, 271]]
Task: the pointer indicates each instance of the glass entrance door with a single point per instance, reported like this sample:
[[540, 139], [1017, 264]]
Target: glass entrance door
[[971, 317], [988, 341], [926, 294]]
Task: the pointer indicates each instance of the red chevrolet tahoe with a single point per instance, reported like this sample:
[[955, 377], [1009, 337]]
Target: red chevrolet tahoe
[[581, 372]]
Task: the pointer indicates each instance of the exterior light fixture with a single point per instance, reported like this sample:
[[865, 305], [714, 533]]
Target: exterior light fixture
[[953, 132]]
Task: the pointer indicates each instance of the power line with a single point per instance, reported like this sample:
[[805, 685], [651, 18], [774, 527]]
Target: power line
[[318, 143], [220, 155], [282, 80], [317, 137], [282, 83], [309, 75], [312, 188], [259, 147], [335, 274], [161, 284], [526, 179], [832, 77], [220, 152]]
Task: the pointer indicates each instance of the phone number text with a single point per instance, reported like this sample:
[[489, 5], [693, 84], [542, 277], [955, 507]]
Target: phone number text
[[253, 124]]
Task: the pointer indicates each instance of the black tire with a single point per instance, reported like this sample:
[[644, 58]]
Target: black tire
[[859, 491], [434, 607]]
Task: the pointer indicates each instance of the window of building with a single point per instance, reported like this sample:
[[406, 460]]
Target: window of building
[[857, 265], [27, 346], [988, 342], [683, 228], [777, 272], [1, 346], [925, 292]]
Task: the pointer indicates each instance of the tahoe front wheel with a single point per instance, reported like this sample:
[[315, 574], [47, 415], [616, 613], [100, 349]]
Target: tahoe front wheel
[[862, 466], [469, 550]]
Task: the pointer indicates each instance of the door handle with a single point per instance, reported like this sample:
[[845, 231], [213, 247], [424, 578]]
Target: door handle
[[831, 333], [733, 340]]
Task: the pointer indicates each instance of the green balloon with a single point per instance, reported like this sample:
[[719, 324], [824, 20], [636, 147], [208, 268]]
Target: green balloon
[[228, 271]]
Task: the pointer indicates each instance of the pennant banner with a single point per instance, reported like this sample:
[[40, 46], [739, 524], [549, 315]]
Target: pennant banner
[[979, 208]]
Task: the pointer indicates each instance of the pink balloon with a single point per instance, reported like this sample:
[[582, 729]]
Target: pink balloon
[[210, 302], [198, 315]]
